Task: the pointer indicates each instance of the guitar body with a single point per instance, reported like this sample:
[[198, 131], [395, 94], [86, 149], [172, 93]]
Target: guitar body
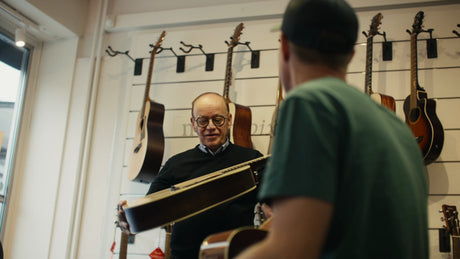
[[425, 126], [193, 196], [148, 145], [240, 133], [420, 112], [385, 100], [229, 244]]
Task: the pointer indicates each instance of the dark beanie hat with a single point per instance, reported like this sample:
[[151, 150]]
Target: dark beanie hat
[[329, 26]]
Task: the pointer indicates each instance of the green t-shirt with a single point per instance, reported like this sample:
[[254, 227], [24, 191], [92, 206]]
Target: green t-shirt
[[334, 143]]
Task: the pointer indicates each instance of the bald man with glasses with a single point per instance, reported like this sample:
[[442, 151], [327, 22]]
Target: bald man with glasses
[[211, 120]]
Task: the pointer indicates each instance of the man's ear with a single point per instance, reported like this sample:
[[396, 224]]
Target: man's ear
[[193, 124], [229, 120], [284, 49]]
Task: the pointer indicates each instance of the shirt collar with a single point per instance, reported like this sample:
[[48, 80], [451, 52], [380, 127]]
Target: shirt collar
[[205, 149]]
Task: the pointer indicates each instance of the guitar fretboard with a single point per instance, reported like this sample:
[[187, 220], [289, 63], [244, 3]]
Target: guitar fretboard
[[368, 76], [413, 71], [228, 74]]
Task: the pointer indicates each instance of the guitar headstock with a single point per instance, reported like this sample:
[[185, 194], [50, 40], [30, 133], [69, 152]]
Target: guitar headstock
[[160, 40], [418, 21], [374, 28], [236, 36], [450, 216]]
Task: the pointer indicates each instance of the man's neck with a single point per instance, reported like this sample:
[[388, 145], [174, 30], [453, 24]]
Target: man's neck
[[206, 149], [302, 72]]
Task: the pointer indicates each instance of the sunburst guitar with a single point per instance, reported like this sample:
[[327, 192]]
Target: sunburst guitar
[[419, 110]]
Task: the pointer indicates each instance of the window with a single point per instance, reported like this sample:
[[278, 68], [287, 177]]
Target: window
[[13, 68]]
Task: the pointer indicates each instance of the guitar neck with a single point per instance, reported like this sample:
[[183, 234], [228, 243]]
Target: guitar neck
[[368, 77], [149, 81], [149, 76], [123, 245], [413, 71], [228, 74]]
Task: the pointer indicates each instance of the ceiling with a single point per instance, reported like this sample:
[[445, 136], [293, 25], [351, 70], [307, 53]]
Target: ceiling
[[139, 6]]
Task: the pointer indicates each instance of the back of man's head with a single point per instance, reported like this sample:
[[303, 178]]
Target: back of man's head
[[326, 27]]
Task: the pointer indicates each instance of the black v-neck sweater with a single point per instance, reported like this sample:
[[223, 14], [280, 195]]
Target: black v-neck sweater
[[188, 234]]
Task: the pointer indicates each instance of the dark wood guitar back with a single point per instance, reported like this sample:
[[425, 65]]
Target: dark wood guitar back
[[419, 110], [240, 133], [193, 196]]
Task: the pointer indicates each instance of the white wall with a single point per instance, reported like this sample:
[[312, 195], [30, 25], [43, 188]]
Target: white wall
[[59, 211]]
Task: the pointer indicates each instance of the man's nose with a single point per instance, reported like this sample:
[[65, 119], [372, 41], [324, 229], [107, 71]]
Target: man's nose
[[211, 124]]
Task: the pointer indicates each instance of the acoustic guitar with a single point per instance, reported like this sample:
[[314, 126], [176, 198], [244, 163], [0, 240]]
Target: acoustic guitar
[[229, 244], [279, 98], [148, 144], [385, 100], [419, 110], [452, 227], [193, 196], [240, 133]]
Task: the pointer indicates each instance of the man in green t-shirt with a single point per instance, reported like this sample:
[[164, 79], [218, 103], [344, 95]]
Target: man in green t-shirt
[[346, 177]]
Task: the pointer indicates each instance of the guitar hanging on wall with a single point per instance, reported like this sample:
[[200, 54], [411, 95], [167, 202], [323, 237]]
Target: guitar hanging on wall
[[279, 98], [452, 227], [148, 144], [385, 100], [240, 133], [419, 110]]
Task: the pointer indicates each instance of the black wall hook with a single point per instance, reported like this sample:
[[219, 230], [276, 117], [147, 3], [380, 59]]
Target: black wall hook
[[456, 32], [113, 53], [180, 67], [255, 55], [137, 62], [209, 57], [387, 48], [431, 45]]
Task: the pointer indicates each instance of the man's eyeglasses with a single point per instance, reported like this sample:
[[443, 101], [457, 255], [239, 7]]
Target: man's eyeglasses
[[217, 120]]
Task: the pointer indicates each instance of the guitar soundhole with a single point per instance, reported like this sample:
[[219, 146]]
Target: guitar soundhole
[[141, 124], [138, 147], [414, 114]]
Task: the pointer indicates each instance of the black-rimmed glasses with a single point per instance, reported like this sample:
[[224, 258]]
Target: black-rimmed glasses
[[217, 120]]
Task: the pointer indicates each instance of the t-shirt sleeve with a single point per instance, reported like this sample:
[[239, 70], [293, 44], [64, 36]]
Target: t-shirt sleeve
[[304, 159]]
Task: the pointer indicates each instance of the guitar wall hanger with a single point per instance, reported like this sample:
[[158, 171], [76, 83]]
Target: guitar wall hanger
[[255, 54], [387, 46], [137, 62], [456, 32], [180, 67], [209, 57], [431, 44]]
